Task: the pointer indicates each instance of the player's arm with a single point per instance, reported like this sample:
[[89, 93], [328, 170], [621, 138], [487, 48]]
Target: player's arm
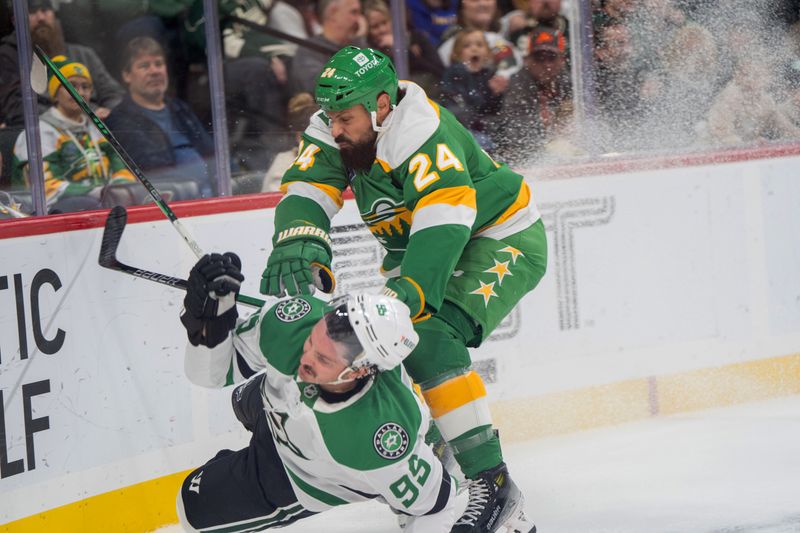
[[312, 187], [439, 188], [215, 355]]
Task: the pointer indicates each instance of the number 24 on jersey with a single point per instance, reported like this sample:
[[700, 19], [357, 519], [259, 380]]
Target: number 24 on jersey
[[420, 165]]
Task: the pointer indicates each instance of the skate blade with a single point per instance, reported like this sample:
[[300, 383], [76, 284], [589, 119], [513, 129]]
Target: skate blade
[[517, 521]]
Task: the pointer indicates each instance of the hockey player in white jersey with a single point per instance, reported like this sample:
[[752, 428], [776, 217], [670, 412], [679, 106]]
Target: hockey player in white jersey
[[333, 415]]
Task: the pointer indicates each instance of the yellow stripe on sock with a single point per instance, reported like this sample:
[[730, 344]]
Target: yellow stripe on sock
[[454, 393]]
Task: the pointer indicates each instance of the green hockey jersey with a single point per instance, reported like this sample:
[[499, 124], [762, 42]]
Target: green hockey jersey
[[370, 445], [430, 190], [76, 156]]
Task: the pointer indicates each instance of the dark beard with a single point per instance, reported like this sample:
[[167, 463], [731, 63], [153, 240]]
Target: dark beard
[[359, 157], [50, 38]]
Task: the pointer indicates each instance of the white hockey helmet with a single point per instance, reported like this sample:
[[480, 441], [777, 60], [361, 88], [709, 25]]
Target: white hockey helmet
[[383, 327]]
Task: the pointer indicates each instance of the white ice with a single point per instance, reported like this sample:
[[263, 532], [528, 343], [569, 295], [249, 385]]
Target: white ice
[[727, 470]]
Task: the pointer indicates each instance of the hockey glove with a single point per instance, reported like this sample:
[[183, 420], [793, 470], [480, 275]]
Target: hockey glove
[[407, 291], [209, 308], [301, 259]]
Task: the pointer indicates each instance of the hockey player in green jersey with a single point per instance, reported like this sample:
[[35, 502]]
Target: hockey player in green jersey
[[334, 416], [463, 239]]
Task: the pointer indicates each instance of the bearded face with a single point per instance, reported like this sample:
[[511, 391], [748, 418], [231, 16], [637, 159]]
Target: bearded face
[[46, 32], [358, 155]]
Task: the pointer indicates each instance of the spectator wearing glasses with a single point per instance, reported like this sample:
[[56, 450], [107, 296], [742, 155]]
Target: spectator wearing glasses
[[78, 161]]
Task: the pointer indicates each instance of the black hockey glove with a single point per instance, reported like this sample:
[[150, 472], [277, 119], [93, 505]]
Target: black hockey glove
[[209, 308]]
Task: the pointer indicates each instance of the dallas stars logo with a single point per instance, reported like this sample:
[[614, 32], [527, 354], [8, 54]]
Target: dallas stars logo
[[292, 310], [391, 440]]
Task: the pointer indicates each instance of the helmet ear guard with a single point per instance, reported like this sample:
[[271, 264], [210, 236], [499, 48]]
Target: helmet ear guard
[[383, 329]]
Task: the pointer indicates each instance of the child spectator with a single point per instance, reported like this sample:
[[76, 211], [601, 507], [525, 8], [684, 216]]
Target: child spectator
[[78, 161], [47, 33], [471, 89], [483, 15], [425, 67]]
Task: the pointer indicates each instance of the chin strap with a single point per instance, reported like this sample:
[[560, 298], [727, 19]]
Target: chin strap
[[386, 123], [340, 379]]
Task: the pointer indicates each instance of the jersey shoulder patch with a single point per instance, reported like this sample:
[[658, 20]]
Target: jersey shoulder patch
[[378, 429], [285, 328]]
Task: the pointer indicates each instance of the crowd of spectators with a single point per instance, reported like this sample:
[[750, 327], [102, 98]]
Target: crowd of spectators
[[664, 74]]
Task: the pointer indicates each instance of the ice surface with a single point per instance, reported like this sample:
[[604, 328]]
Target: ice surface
[[728, 470]]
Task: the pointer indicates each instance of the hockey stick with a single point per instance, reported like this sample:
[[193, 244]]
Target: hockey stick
[[112, 234], [41, 86]]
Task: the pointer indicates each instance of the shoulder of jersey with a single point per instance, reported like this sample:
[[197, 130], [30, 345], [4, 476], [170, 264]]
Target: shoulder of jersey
[[285, 328], [378, 429], [413, 122], [319, 130]]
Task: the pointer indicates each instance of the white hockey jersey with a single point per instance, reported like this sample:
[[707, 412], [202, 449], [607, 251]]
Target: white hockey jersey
[[368, 446]]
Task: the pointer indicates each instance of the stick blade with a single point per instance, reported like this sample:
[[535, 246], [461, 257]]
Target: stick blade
[[38, 75], [112, 234]]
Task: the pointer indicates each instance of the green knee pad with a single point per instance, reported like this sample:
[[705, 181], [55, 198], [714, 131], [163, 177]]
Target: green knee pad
[[440, 351]]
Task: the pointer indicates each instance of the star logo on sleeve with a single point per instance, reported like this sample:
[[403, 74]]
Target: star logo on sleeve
[[514, 253], [486, 290], [501, 269]]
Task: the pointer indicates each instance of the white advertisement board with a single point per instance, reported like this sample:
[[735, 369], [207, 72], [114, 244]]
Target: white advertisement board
[[650, 273]]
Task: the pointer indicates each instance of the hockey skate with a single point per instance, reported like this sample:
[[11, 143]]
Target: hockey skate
[[495, 505]]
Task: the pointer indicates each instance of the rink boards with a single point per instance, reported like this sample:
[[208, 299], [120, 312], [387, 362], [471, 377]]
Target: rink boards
[[668, 290]]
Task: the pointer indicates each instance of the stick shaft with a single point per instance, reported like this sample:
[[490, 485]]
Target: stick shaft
[[126, 158], [176, 283]]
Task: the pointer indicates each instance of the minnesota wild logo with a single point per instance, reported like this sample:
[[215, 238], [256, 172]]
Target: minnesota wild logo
[[292, 310], [389, 221], [391, 440]]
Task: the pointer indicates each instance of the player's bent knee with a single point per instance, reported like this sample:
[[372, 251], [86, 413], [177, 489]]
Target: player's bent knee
[[440, 351], [181, 508]]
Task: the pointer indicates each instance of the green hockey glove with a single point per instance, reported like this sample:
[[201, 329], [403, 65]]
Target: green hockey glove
[[407, 291], [300, 260]]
